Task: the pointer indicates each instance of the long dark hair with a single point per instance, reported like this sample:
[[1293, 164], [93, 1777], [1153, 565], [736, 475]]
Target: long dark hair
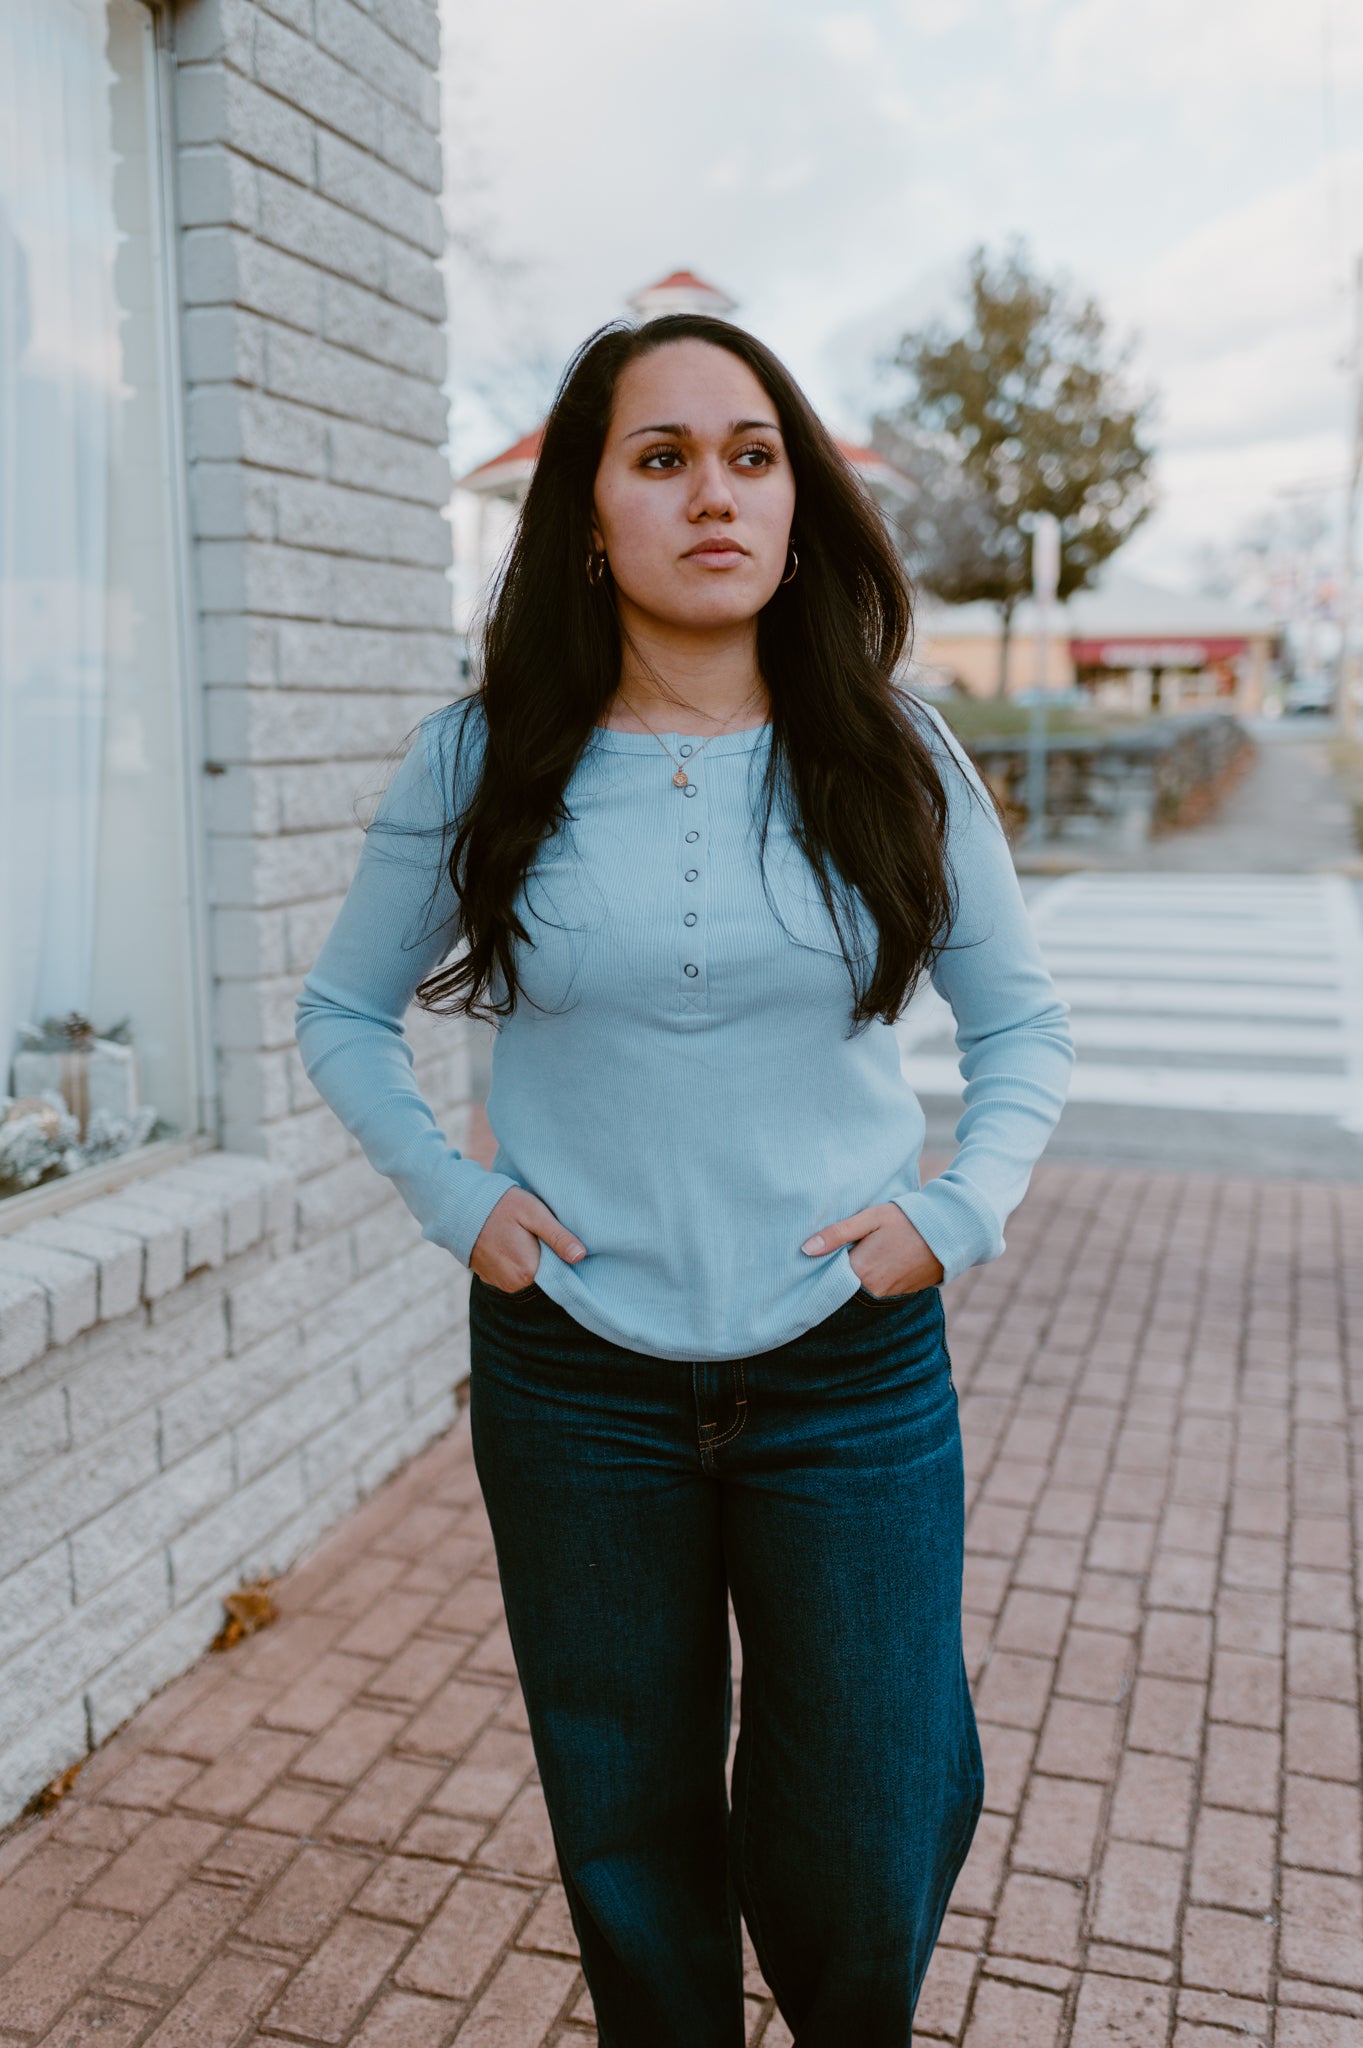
[[847, 758]]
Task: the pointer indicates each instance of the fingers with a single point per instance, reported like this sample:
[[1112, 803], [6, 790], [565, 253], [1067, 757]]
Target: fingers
[[846, 1231], [540, 1218]]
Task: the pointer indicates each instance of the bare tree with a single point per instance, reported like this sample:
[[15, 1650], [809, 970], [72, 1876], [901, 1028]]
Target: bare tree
[[954, 544]]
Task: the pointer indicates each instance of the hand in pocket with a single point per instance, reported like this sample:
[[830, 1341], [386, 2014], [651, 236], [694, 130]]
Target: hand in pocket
[[891, 1257], [506, 1252]]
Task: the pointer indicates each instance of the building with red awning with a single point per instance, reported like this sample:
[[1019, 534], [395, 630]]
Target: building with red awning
[[1129, 644]]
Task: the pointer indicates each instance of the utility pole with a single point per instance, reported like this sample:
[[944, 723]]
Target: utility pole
[[1347, 681], [1045, 578]]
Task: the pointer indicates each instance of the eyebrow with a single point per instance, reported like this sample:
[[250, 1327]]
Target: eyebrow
[[683, 433]]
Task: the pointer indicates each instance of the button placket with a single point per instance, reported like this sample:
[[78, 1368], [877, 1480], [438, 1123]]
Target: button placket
[[691, 953]]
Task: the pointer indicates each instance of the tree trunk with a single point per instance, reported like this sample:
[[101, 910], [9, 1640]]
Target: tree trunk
[[1005, 641]]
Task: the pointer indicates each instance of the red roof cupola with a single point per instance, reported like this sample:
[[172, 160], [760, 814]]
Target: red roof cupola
[[507, 475], [681, 292]]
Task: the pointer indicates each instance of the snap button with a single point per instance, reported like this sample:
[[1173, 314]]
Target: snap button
[[690, 917], [690, 789], [691, 968], [691, 874], [692, 836]]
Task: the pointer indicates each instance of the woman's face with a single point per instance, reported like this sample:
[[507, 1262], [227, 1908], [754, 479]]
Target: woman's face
[[694, 492]]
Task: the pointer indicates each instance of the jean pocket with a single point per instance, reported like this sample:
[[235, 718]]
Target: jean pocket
[[887, 1300], [507, 1293]]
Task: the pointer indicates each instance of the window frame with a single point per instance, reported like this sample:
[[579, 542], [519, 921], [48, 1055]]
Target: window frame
[[186, 692]]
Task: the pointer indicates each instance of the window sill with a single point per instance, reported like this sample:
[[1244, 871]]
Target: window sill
[[121, 1238], [53, 1197]]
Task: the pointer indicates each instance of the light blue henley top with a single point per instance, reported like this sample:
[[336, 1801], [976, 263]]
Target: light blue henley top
[[686, 1100]]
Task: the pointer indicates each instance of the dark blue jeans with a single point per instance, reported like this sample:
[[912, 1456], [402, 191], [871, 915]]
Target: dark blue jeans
[[821, 1485]]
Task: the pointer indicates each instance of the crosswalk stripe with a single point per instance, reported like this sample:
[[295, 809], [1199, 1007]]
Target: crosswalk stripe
[[1159, 964], [1235, 1036], [1213, 989], [1261, 1090], [1252, 940], [1175, 998]]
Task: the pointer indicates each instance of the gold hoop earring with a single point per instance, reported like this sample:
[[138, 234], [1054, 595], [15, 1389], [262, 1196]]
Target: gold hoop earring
[[596, 569], [794, 565]]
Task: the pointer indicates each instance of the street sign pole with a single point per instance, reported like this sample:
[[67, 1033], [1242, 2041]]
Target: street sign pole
[[1045, 579], [1347, 681]]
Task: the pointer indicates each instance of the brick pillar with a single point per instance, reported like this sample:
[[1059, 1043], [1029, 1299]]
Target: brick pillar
[[315, 354]]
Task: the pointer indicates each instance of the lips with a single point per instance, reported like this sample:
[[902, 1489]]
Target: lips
[[714, 547]]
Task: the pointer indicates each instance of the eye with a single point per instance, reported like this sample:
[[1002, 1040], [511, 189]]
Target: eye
[[662, 459], [759, 455]]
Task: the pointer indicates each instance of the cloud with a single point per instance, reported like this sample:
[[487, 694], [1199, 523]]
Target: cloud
[[1280, 386], [1214, 495], [938, 17], [1210, 53], [832, 165], [1243, 323], [1261, 263], [751, 150], [852, 37]]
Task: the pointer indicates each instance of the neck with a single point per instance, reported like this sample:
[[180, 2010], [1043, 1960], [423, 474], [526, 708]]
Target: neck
[[684, 680]]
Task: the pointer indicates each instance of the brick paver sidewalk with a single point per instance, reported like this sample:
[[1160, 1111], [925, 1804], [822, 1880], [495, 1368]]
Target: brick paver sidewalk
[[332, 1833]]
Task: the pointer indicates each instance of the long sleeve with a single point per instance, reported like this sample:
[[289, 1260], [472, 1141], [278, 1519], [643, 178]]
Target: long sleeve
[[391, 931], [1012, 1032]]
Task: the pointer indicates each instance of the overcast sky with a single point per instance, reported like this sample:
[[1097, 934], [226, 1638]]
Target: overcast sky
[[1195, 164]]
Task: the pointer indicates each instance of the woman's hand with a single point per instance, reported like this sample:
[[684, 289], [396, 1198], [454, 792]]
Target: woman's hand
[[891, 1256], [506, 1251]]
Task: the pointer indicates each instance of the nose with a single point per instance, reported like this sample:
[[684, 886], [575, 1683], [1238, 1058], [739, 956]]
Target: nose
[[712, 493]]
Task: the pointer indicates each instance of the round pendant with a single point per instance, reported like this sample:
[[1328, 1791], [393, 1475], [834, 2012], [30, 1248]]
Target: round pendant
[[680, 779]]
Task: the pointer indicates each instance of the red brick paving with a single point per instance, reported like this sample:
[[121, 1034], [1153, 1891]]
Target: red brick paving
[[332, 1836]]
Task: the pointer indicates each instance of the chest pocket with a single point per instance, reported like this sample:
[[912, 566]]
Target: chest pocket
[[560, 894], [560, 903], [798, 901]]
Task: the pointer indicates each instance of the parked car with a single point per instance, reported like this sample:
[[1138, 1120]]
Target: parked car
[[1314, 690]]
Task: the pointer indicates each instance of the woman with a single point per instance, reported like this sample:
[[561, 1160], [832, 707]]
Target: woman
[[697, 847]]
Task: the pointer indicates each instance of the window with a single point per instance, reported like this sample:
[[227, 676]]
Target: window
[[96, 891]]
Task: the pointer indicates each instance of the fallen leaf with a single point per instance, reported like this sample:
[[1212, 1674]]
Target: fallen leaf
[[52, 1794], [249, 1609]]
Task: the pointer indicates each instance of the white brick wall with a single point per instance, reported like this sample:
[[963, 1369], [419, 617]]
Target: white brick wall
[[287, 1346], [202, 1372]]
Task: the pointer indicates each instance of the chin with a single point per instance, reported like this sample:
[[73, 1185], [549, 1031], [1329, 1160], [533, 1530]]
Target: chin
[[718, 606], [715, 618]]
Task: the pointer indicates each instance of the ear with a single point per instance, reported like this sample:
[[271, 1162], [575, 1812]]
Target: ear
[[598, 544]]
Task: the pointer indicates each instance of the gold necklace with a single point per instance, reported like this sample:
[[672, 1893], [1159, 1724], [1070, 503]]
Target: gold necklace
[[683, 774]]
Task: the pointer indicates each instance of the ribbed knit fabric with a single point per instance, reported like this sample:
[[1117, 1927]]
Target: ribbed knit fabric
[[686, 1098]]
